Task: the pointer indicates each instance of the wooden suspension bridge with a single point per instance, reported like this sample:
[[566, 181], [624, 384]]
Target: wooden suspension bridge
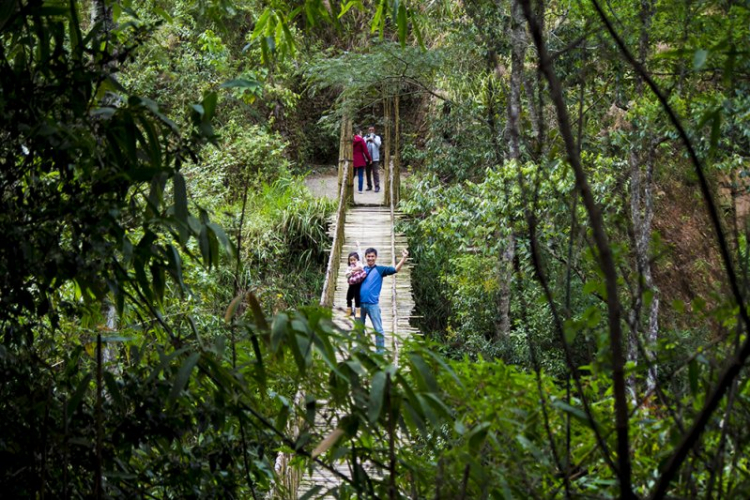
[[370, 219]]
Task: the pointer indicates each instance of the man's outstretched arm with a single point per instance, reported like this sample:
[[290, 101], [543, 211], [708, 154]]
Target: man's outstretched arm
[[404, 255]]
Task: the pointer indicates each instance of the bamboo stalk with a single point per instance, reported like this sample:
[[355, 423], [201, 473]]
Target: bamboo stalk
[[387, 105], [396, 152]]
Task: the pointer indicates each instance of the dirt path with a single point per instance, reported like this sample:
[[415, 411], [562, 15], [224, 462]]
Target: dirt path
[[325, 185]]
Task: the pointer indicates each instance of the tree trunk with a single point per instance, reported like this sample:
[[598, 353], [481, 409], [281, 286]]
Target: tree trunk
[[652, 332], [505, 263], [642, 214], [518, 53]]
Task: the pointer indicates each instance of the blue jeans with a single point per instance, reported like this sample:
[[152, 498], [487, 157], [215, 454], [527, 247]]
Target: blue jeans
[[373, 310], [360, 176]]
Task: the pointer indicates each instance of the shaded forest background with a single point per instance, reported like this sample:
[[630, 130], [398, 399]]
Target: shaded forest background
[[577, 212]]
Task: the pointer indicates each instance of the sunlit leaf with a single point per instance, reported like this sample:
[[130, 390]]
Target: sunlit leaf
[[377, 396], [699, 59], [326, 444]]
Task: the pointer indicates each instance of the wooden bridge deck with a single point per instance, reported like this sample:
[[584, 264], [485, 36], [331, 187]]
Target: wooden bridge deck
[[371, 226]]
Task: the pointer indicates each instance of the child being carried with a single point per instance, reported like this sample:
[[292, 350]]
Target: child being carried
[[355, 275]]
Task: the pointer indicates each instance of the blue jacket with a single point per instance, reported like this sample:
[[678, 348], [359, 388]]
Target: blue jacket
[[370, 291]]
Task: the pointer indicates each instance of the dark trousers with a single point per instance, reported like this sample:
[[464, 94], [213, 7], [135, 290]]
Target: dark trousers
[[372, 170], [353, 293]]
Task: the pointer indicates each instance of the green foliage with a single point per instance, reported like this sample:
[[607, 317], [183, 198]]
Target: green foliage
[[147, 345], [103, 240], [383, 70]]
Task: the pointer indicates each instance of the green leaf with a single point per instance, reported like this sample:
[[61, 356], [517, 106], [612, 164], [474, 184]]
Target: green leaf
[[209, 105], [260, 370], [158, 285], [205, 246], [403, 24], [429, 413], [715, 132], [417, 30], [163, 14], [377, 396], [260, 318], [181, 204], [349, 5], [77, 397], [570, 331], [278, 330], [576, 413], [289, 39], [412, 416], [424, 375], [377, 17], [213, 245], [260, 25], [183, 375], [165, 360], [194, 225], [113, 389], [699, 59], [222, 236], [229, 314], [311, 492], [439, 360], [176, 269], [477, 435], [241, 83]]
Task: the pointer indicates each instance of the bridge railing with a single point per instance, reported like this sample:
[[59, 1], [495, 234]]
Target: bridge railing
[[334, 259], [393, 197]]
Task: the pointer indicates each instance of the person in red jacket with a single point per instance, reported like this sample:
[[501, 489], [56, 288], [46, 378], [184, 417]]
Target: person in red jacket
[[361, 157]]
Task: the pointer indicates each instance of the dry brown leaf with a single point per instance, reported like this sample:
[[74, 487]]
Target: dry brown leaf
[[329, 441]]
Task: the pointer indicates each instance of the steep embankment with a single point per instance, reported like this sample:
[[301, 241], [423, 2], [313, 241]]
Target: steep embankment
[[687, 266]]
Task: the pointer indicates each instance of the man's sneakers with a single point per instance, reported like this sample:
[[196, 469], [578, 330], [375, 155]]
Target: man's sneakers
[[370, 189], [377, 189]]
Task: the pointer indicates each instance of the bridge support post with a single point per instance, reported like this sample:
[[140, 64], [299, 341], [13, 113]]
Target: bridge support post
[[386, 160]]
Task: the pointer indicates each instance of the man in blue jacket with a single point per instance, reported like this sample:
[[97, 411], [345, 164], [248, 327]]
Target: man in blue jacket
[[369, 293]]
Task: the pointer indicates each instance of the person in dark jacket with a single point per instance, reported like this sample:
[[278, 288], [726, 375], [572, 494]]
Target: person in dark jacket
[[361, 157]]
